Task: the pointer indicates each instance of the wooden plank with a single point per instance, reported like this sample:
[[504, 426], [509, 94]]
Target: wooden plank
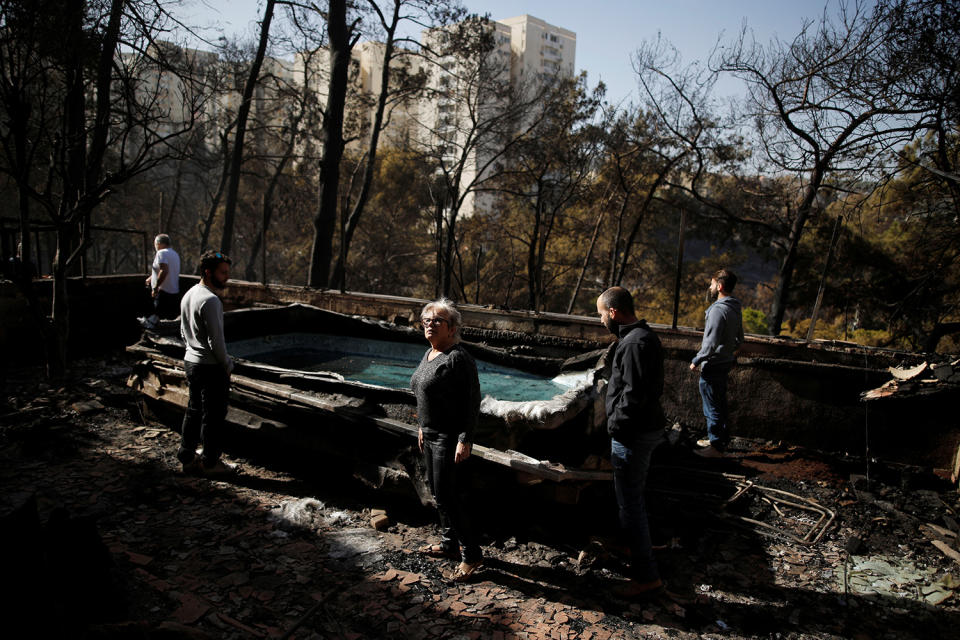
[[946, 549]]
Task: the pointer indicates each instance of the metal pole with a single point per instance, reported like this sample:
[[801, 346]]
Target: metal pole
[[84, 237], [823, 277], [36, 239], [676, 287], [146, 250], [263, 241]]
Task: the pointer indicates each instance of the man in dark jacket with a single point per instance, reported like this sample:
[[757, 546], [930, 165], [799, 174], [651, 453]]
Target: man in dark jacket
[[635, 422], [722, 336]]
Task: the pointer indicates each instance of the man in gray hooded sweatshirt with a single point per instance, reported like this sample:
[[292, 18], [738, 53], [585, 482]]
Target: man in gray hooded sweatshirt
[[722, 336]]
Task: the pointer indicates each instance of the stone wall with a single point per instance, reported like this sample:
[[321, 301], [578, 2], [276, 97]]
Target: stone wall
[[103, 316]]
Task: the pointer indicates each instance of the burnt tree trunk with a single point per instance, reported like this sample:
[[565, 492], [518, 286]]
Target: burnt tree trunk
[[534, 274], [586, 263], [789, 262], [236, 157], [218, 194], [325, 220], [339, 278], [449, 242]]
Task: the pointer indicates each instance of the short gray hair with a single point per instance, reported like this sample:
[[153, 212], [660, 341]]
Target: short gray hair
[[449, 309], [162, 238]]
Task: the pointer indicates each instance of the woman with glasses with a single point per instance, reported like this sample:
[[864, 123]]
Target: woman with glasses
[[448, 406]]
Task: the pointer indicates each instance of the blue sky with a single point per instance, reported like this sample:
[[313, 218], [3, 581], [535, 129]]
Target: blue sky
[[608, 31]]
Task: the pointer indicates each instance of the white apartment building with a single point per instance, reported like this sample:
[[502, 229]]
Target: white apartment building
[[528, 51], [200, 93], [174, 101], [540, 48]]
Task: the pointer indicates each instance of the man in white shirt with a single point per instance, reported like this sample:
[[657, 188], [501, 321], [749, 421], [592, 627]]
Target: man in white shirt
[[207, 366], [164, 282]]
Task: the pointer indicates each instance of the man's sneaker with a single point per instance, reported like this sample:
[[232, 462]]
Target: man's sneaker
[[148, 322], [220, 469], [709, 452], [193, 468], [703, 443]]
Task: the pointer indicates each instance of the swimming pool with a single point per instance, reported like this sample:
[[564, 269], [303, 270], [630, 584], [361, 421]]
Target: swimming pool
[[387, 364]]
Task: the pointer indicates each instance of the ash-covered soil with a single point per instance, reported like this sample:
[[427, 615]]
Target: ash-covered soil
[[103, 537]]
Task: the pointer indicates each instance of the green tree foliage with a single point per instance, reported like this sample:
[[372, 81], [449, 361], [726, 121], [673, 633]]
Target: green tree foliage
[[544, 175], [393, 248], [755, 321], [897, 279]]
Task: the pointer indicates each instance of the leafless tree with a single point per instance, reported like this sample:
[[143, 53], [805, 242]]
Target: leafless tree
[[480, 117], [397, 85], [548, 173], [240, 129], [341, 38], [85, 112], [826, 108]]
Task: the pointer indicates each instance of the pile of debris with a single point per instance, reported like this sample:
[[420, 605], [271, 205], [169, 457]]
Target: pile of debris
[[924, 396], [924, 378]]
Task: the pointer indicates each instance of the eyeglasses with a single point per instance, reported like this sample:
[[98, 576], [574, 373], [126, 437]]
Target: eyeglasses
[[435, 321]]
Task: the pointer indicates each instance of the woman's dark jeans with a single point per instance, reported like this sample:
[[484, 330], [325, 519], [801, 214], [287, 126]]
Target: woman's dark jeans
[[204, 420], [449, 483]]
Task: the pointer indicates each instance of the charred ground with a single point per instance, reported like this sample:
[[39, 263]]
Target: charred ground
[[104, 538]]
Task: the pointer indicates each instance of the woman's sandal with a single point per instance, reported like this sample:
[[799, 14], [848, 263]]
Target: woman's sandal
[[437, 551], [466, 569]]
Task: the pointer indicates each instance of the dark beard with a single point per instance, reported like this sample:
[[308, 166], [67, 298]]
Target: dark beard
[[613, 327], [712, 296]]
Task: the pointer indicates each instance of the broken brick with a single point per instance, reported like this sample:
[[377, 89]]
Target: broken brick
[[191, 609], [591, 617], [139, 558]]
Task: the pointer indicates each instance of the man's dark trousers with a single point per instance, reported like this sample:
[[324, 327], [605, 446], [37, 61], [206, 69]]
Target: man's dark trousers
[[203, 421], [713, 393]]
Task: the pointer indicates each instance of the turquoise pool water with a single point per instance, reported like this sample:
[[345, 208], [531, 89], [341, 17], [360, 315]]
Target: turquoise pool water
[[387, 364]]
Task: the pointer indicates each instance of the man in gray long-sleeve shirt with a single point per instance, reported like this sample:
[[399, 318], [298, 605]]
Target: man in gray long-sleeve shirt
[[722, 336], [207, 367]]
